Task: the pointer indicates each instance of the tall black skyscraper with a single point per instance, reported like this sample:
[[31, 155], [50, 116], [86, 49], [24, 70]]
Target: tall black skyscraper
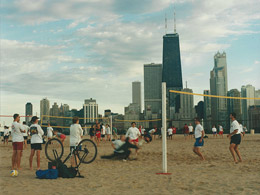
[[172, 73], [28, 112]]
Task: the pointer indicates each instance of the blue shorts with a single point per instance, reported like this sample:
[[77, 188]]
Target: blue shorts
[[197, 142], [214, 133]]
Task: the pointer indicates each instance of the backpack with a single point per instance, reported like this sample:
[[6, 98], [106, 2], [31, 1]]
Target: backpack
[[47, 174], [64, 171]]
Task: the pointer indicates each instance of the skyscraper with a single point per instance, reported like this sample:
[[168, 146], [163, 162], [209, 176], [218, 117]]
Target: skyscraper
[[247, 91], [218, 86], [234, 105], [136, 94], [207, 110], [153, 87], [45, 110], [90, 110], [257, 95], [172, 72], [28, 112]]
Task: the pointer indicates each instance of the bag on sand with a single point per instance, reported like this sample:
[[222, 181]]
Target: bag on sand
[[47, 174], [64, 171]]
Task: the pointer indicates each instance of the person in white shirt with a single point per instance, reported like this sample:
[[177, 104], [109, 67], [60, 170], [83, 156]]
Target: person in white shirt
[[214, 131], [170, 132], [25, 134], [133, 133], [108, 132], [190, 131], [235, 138], [17, 139], [199, 134], [6, 135], [36, 141], [103, 132], [241, 130], [49, 131], [152, 133], [221, 131], [76, 133]]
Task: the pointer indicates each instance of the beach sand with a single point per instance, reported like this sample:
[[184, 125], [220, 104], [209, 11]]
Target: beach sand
[[218, 174]]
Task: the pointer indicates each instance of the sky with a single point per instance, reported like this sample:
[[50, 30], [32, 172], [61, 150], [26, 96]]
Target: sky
[[72, 50]]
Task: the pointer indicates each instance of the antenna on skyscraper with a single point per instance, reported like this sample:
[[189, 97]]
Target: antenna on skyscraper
[[174, 15], [165, 23]]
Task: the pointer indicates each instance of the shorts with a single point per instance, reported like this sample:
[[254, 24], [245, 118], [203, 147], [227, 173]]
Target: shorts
[[103, 135], [186, 134], [62, 136], [190, 133], [49, 135], [174, 131], [98, 134], [221, 133], [25, 137], [91, 134], [134, 140], [6, 137], [197, 142], [74, 147], [235, 139], [170, 134], [17, 145], [37, 146], [214, 133]]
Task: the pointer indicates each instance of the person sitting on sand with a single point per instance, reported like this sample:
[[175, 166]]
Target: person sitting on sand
[[235, 138], [147, 137], [123, 152], [199, 134], [36, 141], [60, 136]]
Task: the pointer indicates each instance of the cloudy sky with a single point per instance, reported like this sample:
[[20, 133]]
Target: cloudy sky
[[71, 50]]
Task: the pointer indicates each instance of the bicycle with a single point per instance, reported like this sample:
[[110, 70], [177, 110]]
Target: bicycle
[[85, 151]]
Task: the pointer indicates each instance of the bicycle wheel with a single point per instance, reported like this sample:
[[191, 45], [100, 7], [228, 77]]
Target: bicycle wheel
[[87, 151], [54, 149]]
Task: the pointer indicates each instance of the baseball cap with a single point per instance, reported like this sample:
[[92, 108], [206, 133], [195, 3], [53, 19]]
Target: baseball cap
[[34, 118]]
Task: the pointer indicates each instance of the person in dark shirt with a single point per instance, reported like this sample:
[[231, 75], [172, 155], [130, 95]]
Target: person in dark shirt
[[122, 152], [147, 137], [92, 132]]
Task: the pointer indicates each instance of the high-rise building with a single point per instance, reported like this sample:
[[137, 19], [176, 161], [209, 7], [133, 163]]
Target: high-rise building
[[257, 95], [254, 118], [153, 87], [200, 109], [131, 114], [172, 72], [136, 94], [90, 110], [107, 113], [219, 86], [28, 112], [247, 91], [234, 105], [207, 111], [44, 110]]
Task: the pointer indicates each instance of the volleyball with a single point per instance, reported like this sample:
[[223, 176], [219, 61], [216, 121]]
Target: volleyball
[[14, 173]]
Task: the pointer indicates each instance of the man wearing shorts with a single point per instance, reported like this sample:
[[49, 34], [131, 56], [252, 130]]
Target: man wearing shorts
[[133, 133], [221, 131], [214, 131], [36, 141], [97, 128], [17, 139], [235, 138], [25, 134], [170, 132], [6, 134], [190, 131], [199, 134], [186, 131], [76, 133], [49, 131]]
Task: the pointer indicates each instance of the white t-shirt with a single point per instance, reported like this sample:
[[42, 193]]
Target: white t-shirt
[[118, 144], [235, 126], [108, 131], [133, 133], [26, 128], [37, 135], [170, 131], [103, 130], [190, 129], [49, 132], [75, 134], [142, 130], [214, 130], [241, 128], [152, 131], [17, 135], [198, 130], [6, 132], [220, 128]]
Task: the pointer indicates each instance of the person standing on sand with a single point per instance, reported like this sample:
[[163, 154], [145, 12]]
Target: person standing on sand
[[25, 134], [199, 134], [49, 131], [221, 131], [133, 133], [17, 139], [190, 131], [97, 129], [36, 141], [186, 131], [6, 135], [235, 138], [214, 131]]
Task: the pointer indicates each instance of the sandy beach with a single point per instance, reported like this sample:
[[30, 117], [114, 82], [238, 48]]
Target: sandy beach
[[216, 175]]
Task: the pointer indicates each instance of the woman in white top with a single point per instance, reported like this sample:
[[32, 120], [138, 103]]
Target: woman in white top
[[49, 131], [214, 131], [76, 133], [108, 132]]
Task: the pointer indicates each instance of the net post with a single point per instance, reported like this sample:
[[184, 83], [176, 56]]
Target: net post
[[111, 126], [164, 123]]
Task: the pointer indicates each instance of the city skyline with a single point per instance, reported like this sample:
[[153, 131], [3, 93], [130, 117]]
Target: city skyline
[[48, 64]]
